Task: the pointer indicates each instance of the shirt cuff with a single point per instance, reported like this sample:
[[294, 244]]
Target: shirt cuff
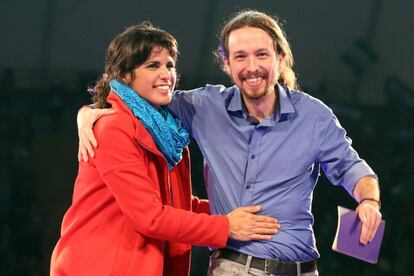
[[354, 174]]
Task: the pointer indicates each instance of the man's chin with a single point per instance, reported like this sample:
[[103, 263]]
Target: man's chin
[[254, 92], [253, 95]]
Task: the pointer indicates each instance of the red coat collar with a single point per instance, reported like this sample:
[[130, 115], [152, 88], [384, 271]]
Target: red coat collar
[[142, 136]]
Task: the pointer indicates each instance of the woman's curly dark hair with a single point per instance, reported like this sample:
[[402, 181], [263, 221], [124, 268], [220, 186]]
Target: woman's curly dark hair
[[126, 52]]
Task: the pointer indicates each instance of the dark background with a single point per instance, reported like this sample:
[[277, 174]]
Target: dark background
[[354, 55]]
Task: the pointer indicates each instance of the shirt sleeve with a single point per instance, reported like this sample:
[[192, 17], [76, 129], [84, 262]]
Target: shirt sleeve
[[338, 159], [123, 165], [183, 105]]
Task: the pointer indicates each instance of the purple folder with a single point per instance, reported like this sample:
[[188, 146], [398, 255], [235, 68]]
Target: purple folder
[[347, 237]]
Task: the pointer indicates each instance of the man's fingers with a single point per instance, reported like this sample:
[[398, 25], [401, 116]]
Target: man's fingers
[[367, 228], [79, 154], [98, 113], [85, 120], [82, 149], [82, 154], [363, 218], [91, 137], [363, 238], [370, 218], [375, 227], [104, 112], [370, 226], [87, 144]]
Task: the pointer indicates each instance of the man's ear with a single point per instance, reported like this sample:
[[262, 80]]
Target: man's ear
[[281, 58], [226, 66]]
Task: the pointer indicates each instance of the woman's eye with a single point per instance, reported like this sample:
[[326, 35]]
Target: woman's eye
[[153, 66]]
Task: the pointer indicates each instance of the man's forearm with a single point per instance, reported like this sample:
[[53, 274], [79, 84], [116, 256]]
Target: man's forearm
[[367, 188]]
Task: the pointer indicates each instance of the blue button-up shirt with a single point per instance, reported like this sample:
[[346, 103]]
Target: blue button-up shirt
[[274, 163]]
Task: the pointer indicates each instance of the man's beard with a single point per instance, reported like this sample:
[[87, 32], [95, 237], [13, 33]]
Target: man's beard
[[256, 96], [258, 74]]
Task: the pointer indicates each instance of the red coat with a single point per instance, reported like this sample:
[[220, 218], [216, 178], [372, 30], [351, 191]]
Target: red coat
[[129, 215]]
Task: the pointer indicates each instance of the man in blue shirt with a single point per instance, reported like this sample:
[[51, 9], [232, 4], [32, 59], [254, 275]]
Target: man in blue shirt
[[263, 143]]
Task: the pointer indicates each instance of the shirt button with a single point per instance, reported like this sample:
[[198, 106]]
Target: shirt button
[[253, 156], [248, 187]]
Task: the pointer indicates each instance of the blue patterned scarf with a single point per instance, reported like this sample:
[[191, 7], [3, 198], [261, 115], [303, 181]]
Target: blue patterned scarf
[[166, 131]]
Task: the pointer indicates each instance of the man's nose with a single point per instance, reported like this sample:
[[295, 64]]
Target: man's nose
[[252, 64]]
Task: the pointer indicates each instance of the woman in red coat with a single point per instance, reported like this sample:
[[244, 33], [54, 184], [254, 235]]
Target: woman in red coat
[[132, 211]]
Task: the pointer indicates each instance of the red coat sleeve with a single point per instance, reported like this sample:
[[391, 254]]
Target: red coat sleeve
[[123, 165], [200, 205]]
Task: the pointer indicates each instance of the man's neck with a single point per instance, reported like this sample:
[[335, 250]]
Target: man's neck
[[263, 107]]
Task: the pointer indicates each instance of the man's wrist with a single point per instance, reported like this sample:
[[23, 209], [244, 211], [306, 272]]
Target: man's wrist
[[371, 199]]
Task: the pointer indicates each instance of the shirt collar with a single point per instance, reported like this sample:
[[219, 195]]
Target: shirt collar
[[284, 105], [235, 102]]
